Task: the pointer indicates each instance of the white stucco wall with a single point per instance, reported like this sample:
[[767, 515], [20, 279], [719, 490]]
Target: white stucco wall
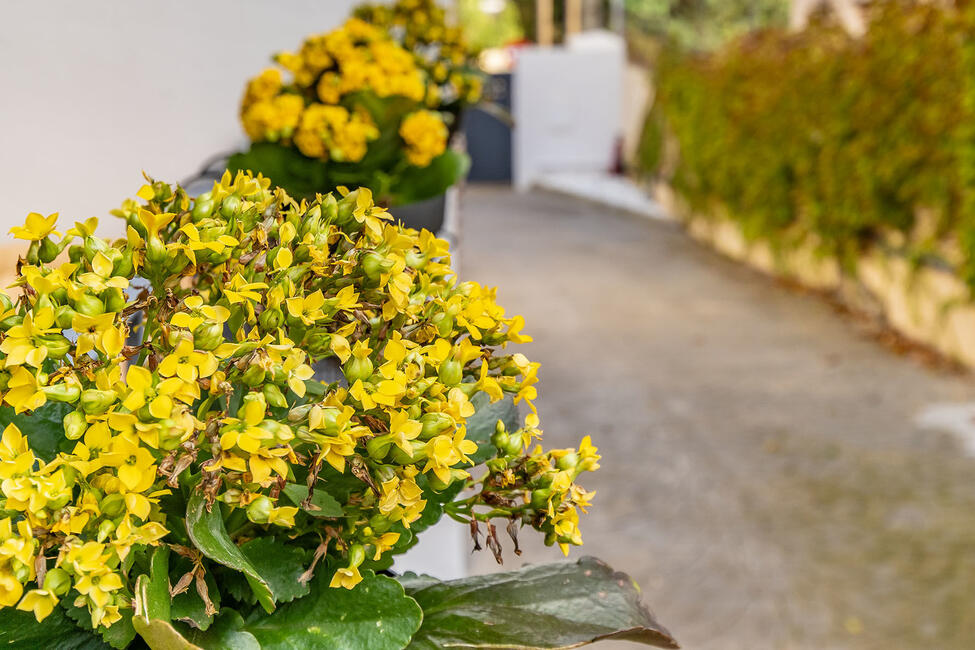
[[93, 92]]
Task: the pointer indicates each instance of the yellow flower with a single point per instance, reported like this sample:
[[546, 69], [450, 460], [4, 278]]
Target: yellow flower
[[135, 464], [21, 344], [98, 332], [188, 364], [40, 602], [425, 135], [36, 227], [346, 578]]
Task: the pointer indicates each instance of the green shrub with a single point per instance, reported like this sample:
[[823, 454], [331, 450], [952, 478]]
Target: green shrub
[[818, 136]]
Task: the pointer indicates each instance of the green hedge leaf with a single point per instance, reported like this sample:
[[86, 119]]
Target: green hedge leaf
[[208, 534], [561, 605], [375, 615]]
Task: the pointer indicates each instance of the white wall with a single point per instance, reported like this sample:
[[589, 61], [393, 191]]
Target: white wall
[[567, 106], [93, 92]]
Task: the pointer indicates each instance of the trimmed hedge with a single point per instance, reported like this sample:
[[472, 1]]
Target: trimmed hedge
[[815, 135]]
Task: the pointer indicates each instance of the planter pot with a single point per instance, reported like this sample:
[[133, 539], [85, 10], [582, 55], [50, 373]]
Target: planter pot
[[429, 213]]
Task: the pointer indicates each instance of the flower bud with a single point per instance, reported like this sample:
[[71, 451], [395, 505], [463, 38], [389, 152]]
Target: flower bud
[[357, 554], [358, 368], [568, 461], [89, 305], [378, 447], [48, 250], [63, 316], [202, 208], [274, 396], [259, 510], [112, 505], [253, 376], [57, 345], [208, 336], [270, 319], [62, 392], [434, 423], [114, 300], [94, 245], [95, 402], [156, 252], [75, 425], [230, 206], [57, 581], [105, 529], [451, 372]]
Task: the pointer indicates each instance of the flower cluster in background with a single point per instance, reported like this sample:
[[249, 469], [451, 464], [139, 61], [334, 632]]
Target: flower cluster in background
[[326, 108], [421, 27], [215, 401]]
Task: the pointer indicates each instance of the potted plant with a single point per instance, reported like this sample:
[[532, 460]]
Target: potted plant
[[201, 489], [357, 110], [440, 49]]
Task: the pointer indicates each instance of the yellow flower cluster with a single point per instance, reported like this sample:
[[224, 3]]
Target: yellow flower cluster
[[425, 136], [421, 27], [249, 292], [320, 112]]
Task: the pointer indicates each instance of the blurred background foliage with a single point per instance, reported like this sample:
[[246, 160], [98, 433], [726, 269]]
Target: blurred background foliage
[[818, 136], [701, 24]]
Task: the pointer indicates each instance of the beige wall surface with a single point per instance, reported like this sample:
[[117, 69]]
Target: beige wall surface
[[93, 92]]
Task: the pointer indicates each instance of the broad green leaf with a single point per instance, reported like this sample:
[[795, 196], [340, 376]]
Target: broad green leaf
[[419, 183], [280, 565], [161, 635], [156, 598], [375, 615], [189, 607], [21, 630], [561, 605], [481, 425], [208, 534], [226, 633], [44, 427], [326, 505]]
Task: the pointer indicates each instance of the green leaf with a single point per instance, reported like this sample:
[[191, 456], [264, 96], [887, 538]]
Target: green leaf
[[561, 605], [44, 427], [21, 630], [208, 534], [419, 183], [189, 607], [376, 614], [161, 635], [326, 504], [226, 633], [280, 565], [481, 425], [155, 596]]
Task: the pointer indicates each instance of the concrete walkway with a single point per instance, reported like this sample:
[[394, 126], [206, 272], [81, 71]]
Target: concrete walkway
[[763, 476]]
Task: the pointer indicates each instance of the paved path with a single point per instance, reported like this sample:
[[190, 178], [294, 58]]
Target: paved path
[[764, 479]]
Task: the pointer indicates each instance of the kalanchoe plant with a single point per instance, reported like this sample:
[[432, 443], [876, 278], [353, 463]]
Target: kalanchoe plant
[[440, 48], [355, 109], [174, 475]]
